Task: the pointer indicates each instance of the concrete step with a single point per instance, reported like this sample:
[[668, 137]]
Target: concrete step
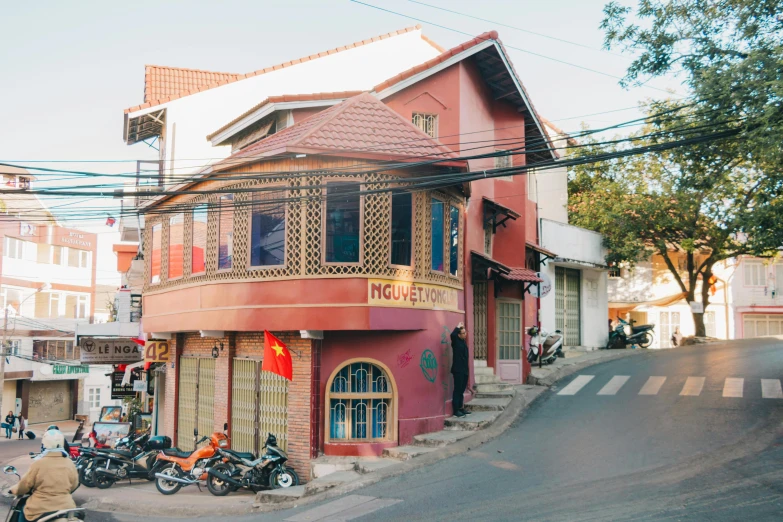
[[406, 452], [478, 363], [492, 387], [494, 404], [275, 496], [439, 439], [323, 466], [494, 395], [370, 464], [472, 422], [330, 481], [483, 370], [487, 379]]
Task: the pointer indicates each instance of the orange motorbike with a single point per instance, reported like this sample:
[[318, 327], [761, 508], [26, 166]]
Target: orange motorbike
[[189, 467]]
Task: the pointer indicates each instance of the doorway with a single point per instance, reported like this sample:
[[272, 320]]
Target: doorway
[[568, 298], [509, 340], [196, 399]]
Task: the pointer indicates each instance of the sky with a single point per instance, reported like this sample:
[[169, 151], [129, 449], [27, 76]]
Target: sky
[[70, 68]]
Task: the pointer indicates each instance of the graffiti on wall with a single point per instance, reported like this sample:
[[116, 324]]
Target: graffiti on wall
[[49, 401], [429, 365], [404, 359]]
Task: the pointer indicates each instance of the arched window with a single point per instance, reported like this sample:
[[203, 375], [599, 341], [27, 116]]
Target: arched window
[[361, 400]]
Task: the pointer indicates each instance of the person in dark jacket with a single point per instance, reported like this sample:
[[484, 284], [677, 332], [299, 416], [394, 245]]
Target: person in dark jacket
[[459, 368], [10, 419]]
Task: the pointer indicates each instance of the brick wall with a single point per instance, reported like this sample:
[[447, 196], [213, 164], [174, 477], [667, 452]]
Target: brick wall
[[170, 403]]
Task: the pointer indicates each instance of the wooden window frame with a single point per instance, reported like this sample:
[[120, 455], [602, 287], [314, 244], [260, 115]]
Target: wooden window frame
[[168, 248], [446, 233], [325, 192], [452, 205], [219, 270], [412, 266], [392, 419], [248, 265], [200, 204]]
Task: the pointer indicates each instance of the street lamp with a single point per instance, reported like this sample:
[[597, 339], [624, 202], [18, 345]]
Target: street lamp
[[43, 288]]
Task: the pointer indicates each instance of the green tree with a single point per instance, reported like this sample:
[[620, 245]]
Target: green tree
[[728, 52], [706, 200]]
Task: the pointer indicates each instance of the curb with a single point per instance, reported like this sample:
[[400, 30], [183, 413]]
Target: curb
[[522, 399], [565, 371]]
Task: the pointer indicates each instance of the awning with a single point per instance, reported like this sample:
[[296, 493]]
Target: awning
[[547, 254], [486, 268], [522, 274], [635, 305], [496, 214]]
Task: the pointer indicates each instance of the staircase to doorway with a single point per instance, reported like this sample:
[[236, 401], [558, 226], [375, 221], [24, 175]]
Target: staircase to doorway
[[489, 388]]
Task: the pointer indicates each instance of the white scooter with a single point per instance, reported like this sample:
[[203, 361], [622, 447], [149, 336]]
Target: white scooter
[[551, 345], [15, 514]]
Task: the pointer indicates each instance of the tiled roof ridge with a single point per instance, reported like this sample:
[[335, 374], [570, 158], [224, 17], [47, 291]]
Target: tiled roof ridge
[[189, 69], [287, 98], [265, 70], [157, 76]]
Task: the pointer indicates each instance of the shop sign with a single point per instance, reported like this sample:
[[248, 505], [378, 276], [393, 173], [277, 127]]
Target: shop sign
[[118, 391], [407, 294], [543, 288], [113, 350], [139, 386], [75, 239], [43, 371], [156, 351], [64, 369]]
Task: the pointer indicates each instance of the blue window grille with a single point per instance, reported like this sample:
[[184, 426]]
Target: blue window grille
[[360, 404]]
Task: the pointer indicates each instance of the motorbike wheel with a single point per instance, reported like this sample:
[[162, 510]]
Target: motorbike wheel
[[285, 478], [103, 481], [218, 487], [85, 474], [168, 487], [646, 340]]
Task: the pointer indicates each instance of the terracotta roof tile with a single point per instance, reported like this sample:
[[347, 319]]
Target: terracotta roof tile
[[175, 90], [522, 274], [160, 81], [362, 124]]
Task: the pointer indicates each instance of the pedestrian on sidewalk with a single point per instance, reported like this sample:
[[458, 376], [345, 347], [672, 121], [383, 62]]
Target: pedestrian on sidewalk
[[22, 426], [9, 424], [459, 369]]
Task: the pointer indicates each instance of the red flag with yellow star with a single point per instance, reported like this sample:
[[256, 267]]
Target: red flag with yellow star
[[277, 358]]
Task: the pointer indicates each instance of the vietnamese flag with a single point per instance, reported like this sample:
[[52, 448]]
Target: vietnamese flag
[[277, 358]]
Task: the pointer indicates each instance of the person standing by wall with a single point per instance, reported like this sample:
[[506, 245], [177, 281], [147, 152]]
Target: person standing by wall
[[459, 369], [22, 425], [9, 424]]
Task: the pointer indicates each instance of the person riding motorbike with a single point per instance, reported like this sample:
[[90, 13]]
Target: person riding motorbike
[[50, 480]]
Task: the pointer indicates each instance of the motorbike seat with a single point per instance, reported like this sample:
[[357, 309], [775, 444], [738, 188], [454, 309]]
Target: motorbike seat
[[78, 514], [642, 327], [121, 453], [242, 455], [175, 452]]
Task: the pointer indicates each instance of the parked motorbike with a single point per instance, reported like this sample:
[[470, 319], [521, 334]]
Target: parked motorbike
[[626, 334], [139, 461], [183, 468], [244, 470], [15, 514], [551, 345]]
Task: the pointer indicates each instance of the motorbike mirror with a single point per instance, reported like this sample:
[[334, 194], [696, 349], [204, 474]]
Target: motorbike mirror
[[9, 470], [225, 426], [195, 432]]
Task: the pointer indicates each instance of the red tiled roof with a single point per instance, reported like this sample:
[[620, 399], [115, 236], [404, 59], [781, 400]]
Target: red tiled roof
[[522, 274], [198, 88], [288, 98], [445, 55], [362, 124], [161, 81]]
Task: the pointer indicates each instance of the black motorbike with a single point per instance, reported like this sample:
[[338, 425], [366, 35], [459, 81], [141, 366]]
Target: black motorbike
[[16, 513], [244, 470], [139, 461], [627, 334]]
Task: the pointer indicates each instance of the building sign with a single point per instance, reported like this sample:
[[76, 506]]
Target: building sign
[[118, 391], [26, 229], [406, 294], [63, 369], [156, 351], [76, 239], [139, 386], [543, 288], [56, 372], [112, 350]]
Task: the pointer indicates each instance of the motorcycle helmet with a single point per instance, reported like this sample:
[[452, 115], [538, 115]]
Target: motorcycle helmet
[[533, 330], [52, 427], [53, 439]]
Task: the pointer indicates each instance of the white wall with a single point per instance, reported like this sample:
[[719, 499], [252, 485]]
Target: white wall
[[46, 272], [359, 68], [549, 189]]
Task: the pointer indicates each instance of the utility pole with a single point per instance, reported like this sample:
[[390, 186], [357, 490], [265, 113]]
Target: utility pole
[[4, 355]]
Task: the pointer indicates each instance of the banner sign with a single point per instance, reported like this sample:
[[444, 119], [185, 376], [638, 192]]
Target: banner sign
[[118, 391], [406, 294], [109, 350], [156, 351]]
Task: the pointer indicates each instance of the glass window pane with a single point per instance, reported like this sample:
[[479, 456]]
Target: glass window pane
[[267, 229], [176, 245], [342, 222], [73, 257], [199, 240], [437, 235], [401, 229], [453, 240], [155, 257], [226, 231]]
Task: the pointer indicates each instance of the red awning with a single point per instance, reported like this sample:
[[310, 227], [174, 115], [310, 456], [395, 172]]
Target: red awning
[[522, 274]]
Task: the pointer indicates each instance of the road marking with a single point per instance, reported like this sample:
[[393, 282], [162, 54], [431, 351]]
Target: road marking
[[576, 385], [652, 386], [693, 386], [614, 385], [770, 389], [733, 387]]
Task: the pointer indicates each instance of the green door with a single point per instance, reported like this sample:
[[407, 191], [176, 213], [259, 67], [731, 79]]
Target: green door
[[568, 284]]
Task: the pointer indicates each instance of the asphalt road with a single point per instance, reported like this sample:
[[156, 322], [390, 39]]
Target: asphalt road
[[684, 451]]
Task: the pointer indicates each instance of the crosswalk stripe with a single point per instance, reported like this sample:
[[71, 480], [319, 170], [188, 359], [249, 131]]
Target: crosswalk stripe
[[693, 386], [733, 386], [576, 385], [614, 385], [770, 389], [652, 386]]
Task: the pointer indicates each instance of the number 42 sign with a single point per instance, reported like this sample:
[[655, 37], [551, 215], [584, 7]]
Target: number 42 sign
[[156, 351]]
